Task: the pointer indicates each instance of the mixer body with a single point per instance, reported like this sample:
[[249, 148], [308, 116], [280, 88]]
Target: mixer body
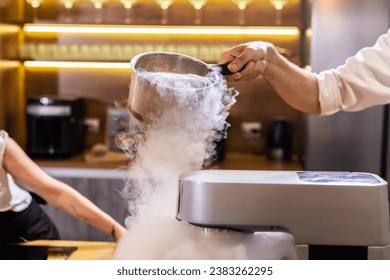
[[326, 212]]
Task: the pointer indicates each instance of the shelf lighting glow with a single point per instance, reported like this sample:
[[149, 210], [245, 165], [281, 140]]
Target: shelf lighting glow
[[309, 32], [9, 64], [9, 29], [164, 30], [77, 65]]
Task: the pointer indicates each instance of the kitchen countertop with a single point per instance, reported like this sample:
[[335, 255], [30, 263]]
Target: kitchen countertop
[[85, 250], [79, 161], [75, 250], [256, 162], [233, 161]]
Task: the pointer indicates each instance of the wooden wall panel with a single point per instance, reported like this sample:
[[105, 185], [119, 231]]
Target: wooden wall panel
[[101, 88], [215, 12]]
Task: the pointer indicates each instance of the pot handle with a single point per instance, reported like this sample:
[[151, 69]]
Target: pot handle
[[221, 68]]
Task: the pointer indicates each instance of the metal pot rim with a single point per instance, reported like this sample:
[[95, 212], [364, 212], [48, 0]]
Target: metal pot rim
[[136, 58], [214, 79]]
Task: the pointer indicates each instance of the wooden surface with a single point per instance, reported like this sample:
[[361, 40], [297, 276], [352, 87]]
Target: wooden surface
[[215, 12], [85, 250]]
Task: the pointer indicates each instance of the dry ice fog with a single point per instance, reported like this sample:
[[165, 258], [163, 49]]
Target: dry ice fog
[[175, 139]]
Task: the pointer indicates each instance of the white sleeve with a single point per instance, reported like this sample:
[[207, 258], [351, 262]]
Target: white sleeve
[[3, 142], [11, 195], [5, 195], [363, 81], [20, 198]]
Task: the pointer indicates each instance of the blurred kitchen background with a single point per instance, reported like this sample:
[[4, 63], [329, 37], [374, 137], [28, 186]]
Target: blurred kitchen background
[[30, 35], [77, 53]]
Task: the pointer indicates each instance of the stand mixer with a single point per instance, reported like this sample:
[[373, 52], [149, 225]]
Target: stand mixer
[[331, 215]]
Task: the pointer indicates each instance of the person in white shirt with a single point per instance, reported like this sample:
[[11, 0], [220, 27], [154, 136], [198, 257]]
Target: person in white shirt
[[21, 218], [363, 81]]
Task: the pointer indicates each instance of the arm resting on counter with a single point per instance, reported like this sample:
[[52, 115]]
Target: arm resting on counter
[[57, 193]]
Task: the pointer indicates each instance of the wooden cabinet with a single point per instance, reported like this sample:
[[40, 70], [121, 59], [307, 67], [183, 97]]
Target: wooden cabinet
[[70, 52], [102, 187]]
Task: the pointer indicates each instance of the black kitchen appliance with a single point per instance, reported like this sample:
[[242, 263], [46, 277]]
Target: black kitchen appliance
[[279, 140], [55, 126]]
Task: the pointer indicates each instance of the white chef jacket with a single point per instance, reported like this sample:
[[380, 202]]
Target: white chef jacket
[[12, 197], [363, 81]]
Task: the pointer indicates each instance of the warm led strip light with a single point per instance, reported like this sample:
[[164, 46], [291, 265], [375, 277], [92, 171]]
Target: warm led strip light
[[165, 30], [9, 64], [7, 28], [77, 65]]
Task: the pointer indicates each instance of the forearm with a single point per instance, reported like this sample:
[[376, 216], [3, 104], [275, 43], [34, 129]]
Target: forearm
[[75, 204], [57, 193], [295, 85], [85, 210]]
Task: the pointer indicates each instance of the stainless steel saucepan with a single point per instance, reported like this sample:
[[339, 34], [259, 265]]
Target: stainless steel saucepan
[[144, 101]]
